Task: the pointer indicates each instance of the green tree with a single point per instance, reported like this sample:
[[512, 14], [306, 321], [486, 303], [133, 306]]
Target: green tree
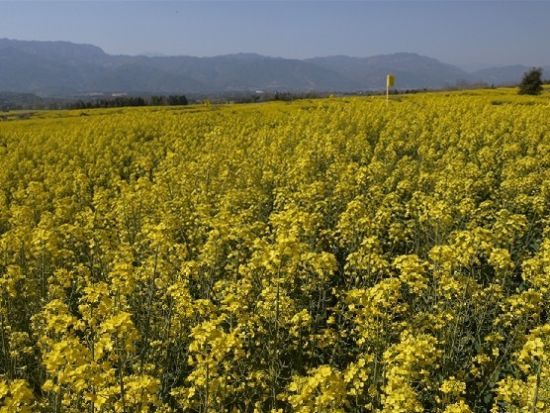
[[531, 84], [177, 100]]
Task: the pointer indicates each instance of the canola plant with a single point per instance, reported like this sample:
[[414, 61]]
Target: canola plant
[[334, 255]]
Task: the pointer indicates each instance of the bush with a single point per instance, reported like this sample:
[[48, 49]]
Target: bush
[[531, 84]]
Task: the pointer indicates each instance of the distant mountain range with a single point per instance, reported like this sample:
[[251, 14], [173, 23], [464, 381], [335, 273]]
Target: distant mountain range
[[68, 69]]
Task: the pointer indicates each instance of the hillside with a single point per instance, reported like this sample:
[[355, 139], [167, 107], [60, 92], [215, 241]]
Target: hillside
[[412, 71], [65, 69]]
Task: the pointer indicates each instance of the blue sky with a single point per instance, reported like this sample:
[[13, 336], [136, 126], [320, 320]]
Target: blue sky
[[467, 33]]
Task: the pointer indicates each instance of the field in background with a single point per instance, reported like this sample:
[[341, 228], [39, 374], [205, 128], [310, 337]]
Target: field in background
[[330, 255], [493, 94]]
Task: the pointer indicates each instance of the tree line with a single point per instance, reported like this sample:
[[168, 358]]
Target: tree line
[[121, 101]]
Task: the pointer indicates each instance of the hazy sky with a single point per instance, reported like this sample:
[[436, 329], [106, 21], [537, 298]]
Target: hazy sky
[[467, 33]]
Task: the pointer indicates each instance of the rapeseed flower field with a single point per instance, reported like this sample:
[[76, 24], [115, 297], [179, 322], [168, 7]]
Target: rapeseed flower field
[[332, 255]]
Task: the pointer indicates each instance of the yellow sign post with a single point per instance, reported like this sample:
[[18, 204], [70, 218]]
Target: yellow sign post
[[390, 81]]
